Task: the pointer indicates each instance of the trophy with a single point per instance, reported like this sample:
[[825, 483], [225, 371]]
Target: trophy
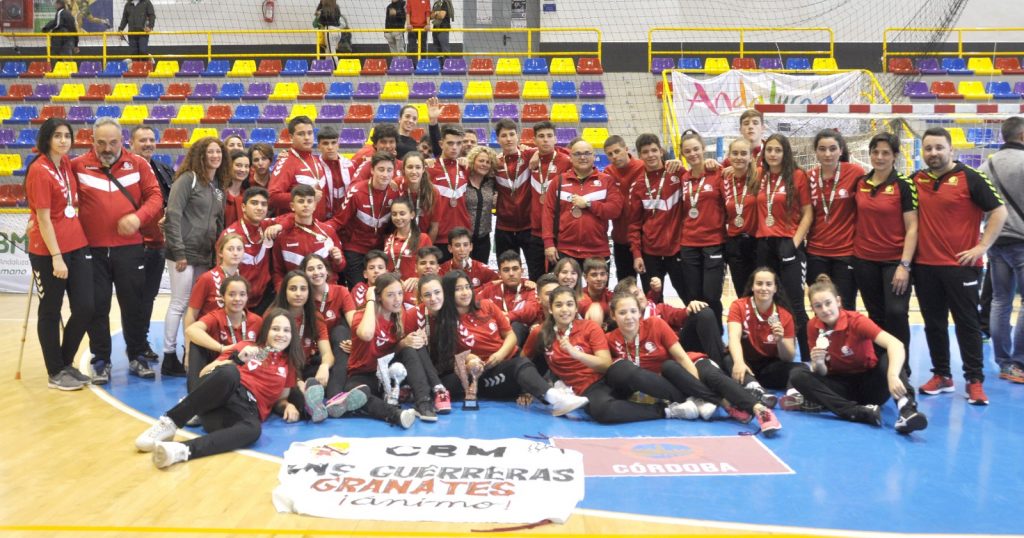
[[819, 367], [385, 374], [468, 377]]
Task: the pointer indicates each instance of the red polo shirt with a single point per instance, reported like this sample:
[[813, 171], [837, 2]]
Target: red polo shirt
[[832, 235], [851, 348], [950, 211], [880, 231]]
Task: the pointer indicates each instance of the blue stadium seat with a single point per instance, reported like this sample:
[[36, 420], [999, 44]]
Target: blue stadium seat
[[339, 91], [114, 70], [13, 69], [295, 68], [428, 66], [230, 91], [690, 63], [956, 66], [798, 63], [387, 113], [451, 89], [563, 89], [164, 158], [150, 91], [245, 114], [26, 138], [601, 161], [1001, 90], [478, 113], [216, 68], [112, 111], [535, 66], [594, 113], [23, 114], [263, 135]]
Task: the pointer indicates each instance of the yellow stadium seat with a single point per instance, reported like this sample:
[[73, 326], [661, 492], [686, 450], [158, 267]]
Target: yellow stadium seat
[[165, 69], [824, 65], [508, 66], [242, 68], [423, 116], [562, 66], [63, 70], [716, 66], [285, 91], [200, 133], [349, 67], [536, 90], [123, 92], [69, 93], [959, 138], [9, 162], [479, 90], [308, 110], [982, 66], [564, 113], [5, 113], [973, 90], [134, 114], [395, 91], [190, 115], [595, 136]]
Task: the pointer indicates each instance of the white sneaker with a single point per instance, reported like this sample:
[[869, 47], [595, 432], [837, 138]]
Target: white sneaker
[[167, 454], [686, 410], [407, 418], [162, 430], [704, 408], [563, 403]]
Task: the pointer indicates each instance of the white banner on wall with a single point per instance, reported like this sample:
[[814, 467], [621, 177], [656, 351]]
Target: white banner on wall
[[430, 479], [15, 269], [712, 106]]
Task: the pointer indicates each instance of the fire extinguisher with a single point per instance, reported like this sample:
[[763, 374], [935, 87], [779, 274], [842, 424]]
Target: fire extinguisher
[[268, 10]]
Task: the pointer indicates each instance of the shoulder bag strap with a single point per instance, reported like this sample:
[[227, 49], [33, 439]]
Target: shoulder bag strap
[[121, 188]]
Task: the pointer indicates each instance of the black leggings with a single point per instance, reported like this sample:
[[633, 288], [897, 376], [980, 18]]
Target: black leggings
[[123, 268], [770, 373], [889, 311], [420, 375], [701, 333], [741, 256], [608, 396], [58, 354], [842, 393], [659, 266], [226, 409], [722, 384], [505, 381], [703, 277], [840, 270], [686, 384], [790, 263]]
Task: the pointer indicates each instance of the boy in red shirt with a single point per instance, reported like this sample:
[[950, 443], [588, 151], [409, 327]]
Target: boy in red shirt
[[594, 303], [624, 169], [512, 294], [302, 235], [460, 245], [546, 164]]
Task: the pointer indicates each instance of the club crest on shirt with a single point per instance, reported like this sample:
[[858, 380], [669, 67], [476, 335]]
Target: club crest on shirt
[[707, 187], [128, 166], [381, 338], [476, 282], [843, 193], [770, 339], [467, 337], [890, 190], [492, 326], [597, 183], [251, 335], [847, 351], [649, 347], [953, 180], [330, 314]]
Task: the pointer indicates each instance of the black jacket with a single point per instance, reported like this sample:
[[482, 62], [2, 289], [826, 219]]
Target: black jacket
[[137, 17], [63, 21], [164, 176]]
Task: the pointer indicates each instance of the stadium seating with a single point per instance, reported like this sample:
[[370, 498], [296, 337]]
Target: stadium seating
[[660, 63], [87, 69], [590, 89], [716, 66], [428, 67], [959, 138], [49, 111], [536, 90], [535, 112], [348, 67], [798, 63], [216, 68], [242, 69], [562, 66], [387, 113], [771, 63], [83, 139], [929, 66], [395, 91], [273, 114], [595, 136], [70, 93], [37, 70], [374, 67], [165, 69], [476, 113], [138, 69], [162, 114], [295, 68], [304, 109], [123, 92], [351, 137], [63, 70], [535, 66], [1001, 90], [1009, 65], [203, 91], [563, 89], [108, 111], [18, 92], [367, 91], [26, 139], [690, 63], [13, 69], [564, 113], [230, 91], [451, 89], [505, 111], [593, 113], [339, 90], [217, 114], [973, 90], [199, 134], [257, 91], [114, 70], [321, 68], [173, 138], [245, 114], [454, 66], [191, 68], [285, 91], [332, 113], [450, 113], [589, 66], [982, 66], [400, 66], [80, 114], [481, 66], [313, 91], [956, 66], [479, 90], [508, 67], [359, 113], [944, 89], [423, 90], [134, 114], [824, 66], [745, 62], [902, 66], [506, 89], [188, 115], [565, 135], [262, 135], [150, 91]]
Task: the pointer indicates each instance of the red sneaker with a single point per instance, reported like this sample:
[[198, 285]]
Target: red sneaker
[[937, 385], [442, 402], [737, 414], [769, 424], [976, 394]]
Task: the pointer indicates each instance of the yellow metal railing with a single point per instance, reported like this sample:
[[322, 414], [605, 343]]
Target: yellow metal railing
[[671, 130], [744, 48], [960, 52], [208, 39]]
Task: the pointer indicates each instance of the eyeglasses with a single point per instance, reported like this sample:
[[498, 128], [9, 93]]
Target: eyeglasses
[[583, 154]]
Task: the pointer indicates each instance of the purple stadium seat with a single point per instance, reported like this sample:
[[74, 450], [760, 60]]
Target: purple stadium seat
[[367, 90], [505, 111], [7, 137], [770, 63], [660, 64], [273, 114], [423, 90], [1019, 88], [592, 89], [400, 66], [564, 135], [162, 114], [331, 112], [81, 114], [204, 91], [320, 68], [454, 66], [43, 92], [930, 66], [918, 90], [352, 137], [88, 70], [258, 91], [233, 131], [191, 68]]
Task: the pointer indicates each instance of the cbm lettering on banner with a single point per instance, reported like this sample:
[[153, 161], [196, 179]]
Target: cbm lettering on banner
[[15, 268], [712, 106], [430, 479], [675, 456]]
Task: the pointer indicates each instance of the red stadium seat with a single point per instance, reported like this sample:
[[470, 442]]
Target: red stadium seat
[[17, 92], [50, 111], [139, 69], [173, 137], [506, 89], [659, 90], [902, 66], [374, 67], [945, 89], [535, 112], [526, 137], [83, 139], [96, 92], [313, 91], [359, 113], [37, 70], [284, 139], [217, 114], [1009, 65], [268, 68], [589, 66], [450, 113], [481, 66], [741, 63], [177, 91]]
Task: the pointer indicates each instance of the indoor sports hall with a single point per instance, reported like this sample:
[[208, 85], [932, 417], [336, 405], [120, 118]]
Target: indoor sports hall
[[594, 69]]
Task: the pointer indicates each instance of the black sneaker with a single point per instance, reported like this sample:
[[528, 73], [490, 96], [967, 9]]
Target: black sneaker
[[769, 400], [868, 414], [150, 355], [140, 368], [75, 373], [171, 366], [425, 411], [910, 419], [398, 417]]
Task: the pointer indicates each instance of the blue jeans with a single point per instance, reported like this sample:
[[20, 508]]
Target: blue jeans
[[1007, 280]]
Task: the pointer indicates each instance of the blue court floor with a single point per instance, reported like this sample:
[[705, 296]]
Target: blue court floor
[[958, 476]]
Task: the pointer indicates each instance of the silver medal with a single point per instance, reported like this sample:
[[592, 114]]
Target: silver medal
[[769, 221], [576, 212], [69, 212], [693, 213], [738, 221], [453, 202]]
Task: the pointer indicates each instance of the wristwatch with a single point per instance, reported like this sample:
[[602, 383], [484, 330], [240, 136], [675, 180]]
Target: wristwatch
[[905, 264]]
